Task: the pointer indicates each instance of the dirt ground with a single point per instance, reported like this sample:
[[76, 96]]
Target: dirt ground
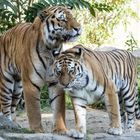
[[97, 124]]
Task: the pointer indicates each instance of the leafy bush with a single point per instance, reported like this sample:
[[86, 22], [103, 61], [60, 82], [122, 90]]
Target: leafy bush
[[99, 30], [44, 97], [13, 12]]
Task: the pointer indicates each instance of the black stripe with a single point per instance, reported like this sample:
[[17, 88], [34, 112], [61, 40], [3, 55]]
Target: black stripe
[[7, 80], [36, 71], [51, 100], [47, 23], [5, 91], [79, 98], [6, 113], [23, 39], [9, 90], [55, 10], [52, 84], [6, 104], [109, 64], [16, 97], [127, 98], [7, 97], [4, 48], [104, 87], [95, 88], [126, 92], [82, 106], [123, 88], [114, 62], [52, 22], [14, 105], [35, 85], [37, 50], [130, 106]]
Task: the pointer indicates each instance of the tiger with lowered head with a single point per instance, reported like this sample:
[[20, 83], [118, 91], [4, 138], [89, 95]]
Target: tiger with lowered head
[[25, 59], [91, 75]]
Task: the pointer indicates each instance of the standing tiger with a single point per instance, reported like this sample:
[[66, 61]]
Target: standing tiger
[[25, 59], [89, 75]]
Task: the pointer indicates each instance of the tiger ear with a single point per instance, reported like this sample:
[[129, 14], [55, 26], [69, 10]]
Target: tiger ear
[[42, 15], [68, 6], [78, 52], [55, 53]]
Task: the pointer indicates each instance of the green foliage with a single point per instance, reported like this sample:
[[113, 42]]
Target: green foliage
[[32, 11], [98, 105], [100, 29], [15, 11], [44, 97], [80, 4], [68, 102], [12, 12], [131, 43]]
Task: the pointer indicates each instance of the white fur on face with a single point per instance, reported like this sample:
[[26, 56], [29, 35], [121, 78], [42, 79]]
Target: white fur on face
[[47, 40], [61, 15]]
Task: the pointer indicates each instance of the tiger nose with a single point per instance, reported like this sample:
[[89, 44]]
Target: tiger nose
[[65, 84], [78, 30]]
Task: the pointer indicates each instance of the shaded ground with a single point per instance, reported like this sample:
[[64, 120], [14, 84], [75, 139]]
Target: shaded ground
[[97, 124]]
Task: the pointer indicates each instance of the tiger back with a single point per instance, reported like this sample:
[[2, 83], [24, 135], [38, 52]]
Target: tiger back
[[91, 75]]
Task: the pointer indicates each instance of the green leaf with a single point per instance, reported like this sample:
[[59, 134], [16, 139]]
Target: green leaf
[[92, 11]]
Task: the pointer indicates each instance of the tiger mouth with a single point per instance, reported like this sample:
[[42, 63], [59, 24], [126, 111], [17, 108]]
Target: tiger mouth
[[68, 37]]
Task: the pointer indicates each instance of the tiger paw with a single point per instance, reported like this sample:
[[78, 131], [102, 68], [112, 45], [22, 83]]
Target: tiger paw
[[38, 130], [130, 128], [6, 123], [123, 125], [115, 131], [75, 134], [60, 131]]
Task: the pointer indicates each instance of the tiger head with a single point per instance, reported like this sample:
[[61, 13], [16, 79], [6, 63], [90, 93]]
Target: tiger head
[[70, 70], [58, 25]]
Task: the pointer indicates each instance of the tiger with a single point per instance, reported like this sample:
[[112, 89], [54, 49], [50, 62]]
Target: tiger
[[89, 75], [25, 60]]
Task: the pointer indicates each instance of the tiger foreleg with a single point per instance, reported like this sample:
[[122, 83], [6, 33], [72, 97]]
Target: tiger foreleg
[[57, 101], [32, 103], [80, 120], [113, 108]]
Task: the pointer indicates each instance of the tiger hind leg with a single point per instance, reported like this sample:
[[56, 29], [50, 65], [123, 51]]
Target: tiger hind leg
[[129, 100], [122, 111], [6, 90], [113, 109], [16, 96], [137, 107]]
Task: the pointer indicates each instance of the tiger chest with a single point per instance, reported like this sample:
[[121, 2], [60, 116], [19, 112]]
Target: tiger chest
[[89, 95]]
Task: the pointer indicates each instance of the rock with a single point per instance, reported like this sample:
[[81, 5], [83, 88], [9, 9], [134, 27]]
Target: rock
[[97, 124], [39, 136]]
